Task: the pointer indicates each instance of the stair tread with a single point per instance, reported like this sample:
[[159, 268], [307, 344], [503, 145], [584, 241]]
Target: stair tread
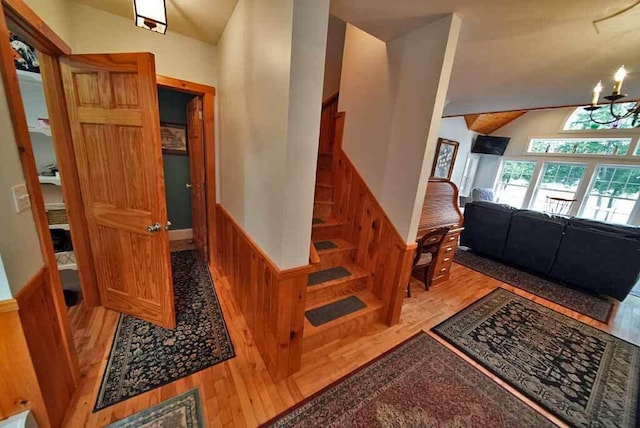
[[369, 299], [325, 185], [356, 272], [341, 245], [323, 202], [327, 222]]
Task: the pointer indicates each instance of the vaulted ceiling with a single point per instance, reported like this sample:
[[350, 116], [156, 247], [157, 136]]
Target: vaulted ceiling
[[517, 54]]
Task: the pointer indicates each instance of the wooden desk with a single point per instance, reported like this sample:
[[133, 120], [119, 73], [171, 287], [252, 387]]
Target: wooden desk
[[440, 209]]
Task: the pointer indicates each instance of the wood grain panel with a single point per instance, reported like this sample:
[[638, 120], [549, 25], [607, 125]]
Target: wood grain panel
[[490, 122], [38, 315], [19, 390], [380, 248], [271, 300], [328, 124], [119, 159]]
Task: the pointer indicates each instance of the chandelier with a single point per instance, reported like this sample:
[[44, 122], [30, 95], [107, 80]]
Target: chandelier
[[616, 95]]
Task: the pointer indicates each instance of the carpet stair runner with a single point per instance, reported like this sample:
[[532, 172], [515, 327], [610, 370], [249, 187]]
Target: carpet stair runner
[[338, 301]]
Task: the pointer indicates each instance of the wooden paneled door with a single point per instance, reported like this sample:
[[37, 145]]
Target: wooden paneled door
[[113, 113], [196, 166]]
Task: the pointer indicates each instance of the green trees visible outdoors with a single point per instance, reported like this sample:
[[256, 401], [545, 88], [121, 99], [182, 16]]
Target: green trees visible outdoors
[[581, 120], [596, 146], [517, 172]]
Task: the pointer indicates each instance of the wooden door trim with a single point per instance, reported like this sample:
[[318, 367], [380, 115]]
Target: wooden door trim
[[30, 171], [208, 94], [33, 29]]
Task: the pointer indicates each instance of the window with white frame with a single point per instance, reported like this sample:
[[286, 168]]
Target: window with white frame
[[514, 182], [580, 146], [558, 181], [613, 195], [580, 119]]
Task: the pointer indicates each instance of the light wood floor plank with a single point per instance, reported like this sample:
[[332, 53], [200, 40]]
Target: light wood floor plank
[[239, 392]]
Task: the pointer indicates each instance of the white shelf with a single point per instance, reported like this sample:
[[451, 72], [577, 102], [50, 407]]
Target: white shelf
[[59, 226], [29, 75], [55, 206], [45, 179], [43, 131]]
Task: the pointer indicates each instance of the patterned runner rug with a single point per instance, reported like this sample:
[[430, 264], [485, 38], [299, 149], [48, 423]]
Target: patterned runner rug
[[576, 300], [144, 356], [419, 383], [182, 411], [580, 374]]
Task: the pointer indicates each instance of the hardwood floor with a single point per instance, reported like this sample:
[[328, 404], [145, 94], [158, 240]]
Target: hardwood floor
[[239, 392]]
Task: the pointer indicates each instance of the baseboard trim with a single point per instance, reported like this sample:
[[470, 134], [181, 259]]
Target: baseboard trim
[[180, 234]]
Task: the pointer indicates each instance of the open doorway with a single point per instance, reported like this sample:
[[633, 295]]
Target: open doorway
[[181, 122]]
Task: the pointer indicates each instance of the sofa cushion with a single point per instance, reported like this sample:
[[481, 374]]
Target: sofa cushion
[[599, 257], [486, 226], [533, 240]]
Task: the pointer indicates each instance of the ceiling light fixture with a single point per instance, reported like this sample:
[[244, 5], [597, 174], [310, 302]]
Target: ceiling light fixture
[[151, 14], [616, 95]]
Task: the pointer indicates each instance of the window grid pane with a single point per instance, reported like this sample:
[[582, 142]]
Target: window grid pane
[[559, 180], [581, 146], [614, 194], [514, 182]]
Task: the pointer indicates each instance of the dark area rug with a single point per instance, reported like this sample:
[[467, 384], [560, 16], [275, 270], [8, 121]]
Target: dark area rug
[[324, 245], [335, 310], [580, 374], [144, 356], [419, 383], [587, 304], [183, 411]]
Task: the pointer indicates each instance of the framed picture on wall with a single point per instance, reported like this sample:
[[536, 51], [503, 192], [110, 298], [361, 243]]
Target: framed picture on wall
[[446, 153], [174, 138]]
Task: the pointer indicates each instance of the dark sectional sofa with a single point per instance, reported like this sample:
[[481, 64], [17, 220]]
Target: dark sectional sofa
[[595, 256]]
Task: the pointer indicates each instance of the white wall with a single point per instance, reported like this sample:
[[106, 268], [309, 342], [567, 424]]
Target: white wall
[[57, 15], [271, 78], [393, 94], [19, 245], [455, 128], [96, 31], [333, 58]]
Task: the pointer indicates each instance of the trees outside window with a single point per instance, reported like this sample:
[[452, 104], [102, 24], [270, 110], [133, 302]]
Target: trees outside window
[[559, 180], [581, 146], [581, 120], [613, 194], [514, 182]]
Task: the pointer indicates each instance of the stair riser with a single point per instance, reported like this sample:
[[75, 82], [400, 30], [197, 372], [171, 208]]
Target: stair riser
[[341, 329], [324, 194], [326, 232], [323, 176], [317, 293], [325, 161], [322, 210], [337, 257]]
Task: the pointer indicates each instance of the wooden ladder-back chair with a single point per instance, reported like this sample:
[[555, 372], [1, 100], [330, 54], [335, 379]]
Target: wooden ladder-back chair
[[424, 260]]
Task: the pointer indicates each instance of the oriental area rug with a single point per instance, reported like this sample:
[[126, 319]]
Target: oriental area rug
[[182, 411], [144, 356], [587, 304], [419, 383], [582, 375]]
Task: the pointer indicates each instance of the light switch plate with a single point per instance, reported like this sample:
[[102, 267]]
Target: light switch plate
[[21, 197]]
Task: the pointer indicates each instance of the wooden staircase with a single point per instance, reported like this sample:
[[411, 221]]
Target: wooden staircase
[[337, 278]]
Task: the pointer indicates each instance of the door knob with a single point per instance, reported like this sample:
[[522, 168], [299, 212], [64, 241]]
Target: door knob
[[189, 185], [154, 228], [167, 226]]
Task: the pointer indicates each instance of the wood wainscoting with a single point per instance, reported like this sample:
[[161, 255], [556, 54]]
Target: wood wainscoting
[[380, 248], [19, 390], [271, 300], [38, 316]]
